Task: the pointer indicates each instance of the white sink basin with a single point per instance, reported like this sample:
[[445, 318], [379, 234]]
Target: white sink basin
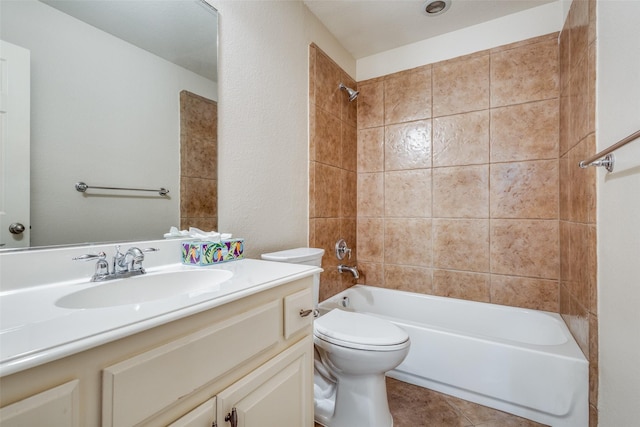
[[145, 288]]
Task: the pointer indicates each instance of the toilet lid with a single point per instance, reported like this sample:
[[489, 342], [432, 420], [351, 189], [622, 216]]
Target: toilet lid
[[356, 330]]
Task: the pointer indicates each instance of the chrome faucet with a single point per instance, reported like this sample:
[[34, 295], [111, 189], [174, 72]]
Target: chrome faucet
[[353, 270], [123, 265], [128, 262]]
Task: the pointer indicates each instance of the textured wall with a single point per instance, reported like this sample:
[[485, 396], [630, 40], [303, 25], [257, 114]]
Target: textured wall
[[618, 212], [263, 140], [458, 177]]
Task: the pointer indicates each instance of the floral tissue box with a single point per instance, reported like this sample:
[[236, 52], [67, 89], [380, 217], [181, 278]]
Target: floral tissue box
[[207, 253]]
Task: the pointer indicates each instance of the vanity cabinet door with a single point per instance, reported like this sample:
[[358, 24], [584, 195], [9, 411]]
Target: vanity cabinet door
[[58, 407], [277, 394], [203, 416]]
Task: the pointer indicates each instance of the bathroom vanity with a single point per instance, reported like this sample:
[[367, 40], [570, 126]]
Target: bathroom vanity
[[243, 355]]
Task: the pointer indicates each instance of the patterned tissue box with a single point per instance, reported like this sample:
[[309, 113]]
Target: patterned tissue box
[[207, 253]]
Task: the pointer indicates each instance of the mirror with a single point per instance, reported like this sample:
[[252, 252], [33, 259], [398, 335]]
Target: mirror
[[123, 93]]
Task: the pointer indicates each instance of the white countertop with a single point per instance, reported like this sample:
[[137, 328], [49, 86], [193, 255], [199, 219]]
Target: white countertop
[[34, 330]]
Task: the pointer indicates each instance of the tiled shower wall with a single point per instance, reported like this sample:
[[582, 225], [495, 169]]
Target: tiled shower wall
[[332, 168], [578, 288], [458, 177], [198, 162]]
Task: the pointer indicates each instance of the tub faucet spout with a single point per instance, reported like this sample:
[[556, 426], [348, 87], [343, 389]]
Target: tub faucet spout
[[353, 270]]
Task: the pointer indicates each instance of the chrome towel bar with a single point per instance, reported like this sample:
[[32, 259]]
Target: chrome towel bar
[[608, 160], [82, 187]]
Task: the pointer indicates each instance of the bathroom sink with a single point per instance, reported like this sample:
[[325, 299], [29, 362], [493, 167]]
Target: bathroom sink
[[146, 288]]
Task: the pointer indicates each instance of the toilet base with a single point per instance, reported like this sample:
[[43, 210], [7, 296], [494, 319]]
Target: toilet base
[[357, 401]]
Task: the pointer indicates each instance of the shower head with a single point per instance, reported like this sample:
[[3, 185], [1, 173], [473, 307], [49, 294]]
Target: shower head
[[353, 94]]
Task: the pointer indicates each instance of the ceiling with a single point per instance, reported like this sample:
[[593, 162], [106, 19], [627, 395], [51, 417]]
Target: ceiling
[[181, 31], [367, 27]]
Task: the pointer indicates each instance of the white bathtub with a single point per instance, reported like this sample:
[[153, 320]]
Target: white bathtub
[[520, 361]]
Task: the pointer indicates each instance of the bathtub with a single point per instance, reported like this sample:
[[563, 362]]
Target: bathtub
[[520, 361]]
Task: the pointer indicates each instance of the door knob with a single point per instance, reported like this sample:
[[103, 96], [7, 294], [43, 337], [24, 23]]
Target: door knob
[[16, 228]]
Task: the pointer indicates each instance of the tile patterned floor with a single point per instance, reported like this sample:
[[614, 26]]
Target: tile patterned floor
[[413, 406]]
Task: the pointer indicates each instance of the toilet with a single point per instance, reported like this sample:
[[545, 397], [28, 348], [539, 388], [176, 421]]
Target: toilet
[[353, 351]]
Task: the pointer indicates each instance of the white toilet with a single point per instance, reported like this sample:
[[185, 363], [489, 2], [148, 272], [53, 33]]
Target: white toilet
[[353, 352]]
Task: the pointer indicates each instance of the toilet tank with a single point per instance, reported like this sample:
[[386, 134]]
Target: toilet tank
[[306, 256]]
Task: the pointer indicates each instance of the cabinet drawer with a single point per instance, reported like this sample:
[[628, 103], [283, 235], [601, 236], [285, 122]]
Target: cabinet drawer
[[293, 305], [139, 387]]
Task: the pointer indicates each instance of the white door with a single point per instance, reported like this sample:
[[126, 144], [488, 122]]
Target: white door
[[15, 141]]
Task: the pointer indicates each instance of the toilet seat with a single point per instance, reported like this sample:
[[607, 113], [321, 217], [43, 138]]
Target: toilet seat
[[359, 331]]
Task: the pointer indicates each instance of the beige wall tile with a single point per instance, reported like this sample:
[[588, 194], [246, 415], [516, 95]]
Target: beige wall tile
[[200, 197], [524, 74], [577, 319], [349, 108], [407, 96], [564, 176], [461, 192], [564, 121], [327, 184], [312, 73], [349, 152], [525, 248], [592, 268], [349, 196], [327, 78], [371, 273], [371, 240], [579, 274], [312, 189], [591, 87], [524, 189], [370, 194], [525, 131], [408, 278], [461, 85], [579, 101], [371, 105], [408, 146], [459, 284], [578, 26], [407, 193], [537, 294], [564, 60], [371, 150], [327, 138], [327, 232], [565, 257], [461, 244], [407, 241], [461, 139], [582, 183]]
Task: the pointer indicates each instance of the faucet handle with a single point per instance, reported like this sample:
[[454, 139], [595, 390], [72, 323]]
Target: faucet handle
[[342, 249], [138, 257], [102, 266], [89, 257]]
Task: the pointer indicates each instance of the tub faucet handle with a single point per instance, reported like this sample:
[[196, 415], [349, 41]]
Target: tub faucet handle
[[342, 249]]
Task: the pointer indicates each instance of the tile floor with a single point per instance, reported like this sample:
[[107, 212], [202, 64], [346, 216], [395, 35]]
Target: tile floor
[[413, 406]]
